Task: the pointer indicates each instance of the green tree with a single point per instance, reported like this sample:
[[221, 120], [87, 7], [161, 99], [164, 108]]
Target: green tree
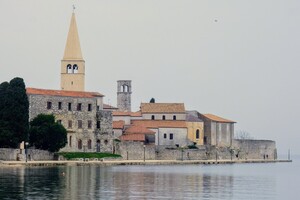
[[47, 134], [14, 107]]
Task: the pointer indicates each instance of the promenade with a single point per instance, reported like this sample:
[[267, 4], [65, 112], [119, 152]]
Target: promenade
[[131, 162]]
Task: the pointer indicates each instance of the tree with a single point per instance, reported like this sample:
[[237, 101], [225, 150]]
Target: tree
[[152, 100], [14, 107], [46, 134], [243, 135]]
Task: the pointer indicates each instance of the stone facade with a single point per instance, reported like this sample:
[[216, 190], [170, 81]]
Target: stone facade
[[124, 95], [89, 128]]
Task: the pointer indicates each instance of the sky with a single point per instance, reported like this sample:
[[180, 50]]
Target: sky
[[235, 59]]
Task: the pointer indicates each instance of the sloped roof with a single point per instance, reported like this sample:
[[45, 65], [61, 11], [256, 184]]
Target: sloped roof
[[133, 137], [106, 106], [36, 91], [124, 113], [118, 124], [217, 118], [162, 108], [192, 118], [160, 123], [138, 129]]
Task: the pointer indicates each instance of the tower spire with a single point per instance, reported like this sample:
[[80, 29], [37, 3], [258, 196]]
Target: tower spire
[[72, 49]]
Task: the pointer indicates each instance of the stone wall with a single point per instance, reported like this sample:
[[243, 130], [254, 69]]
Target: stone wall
[[18, 154], [135, 151]]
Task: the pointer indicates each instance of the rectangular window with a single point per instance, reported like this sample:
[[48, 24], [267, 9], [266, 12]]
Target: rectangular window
[[98, 108], [171, 136], [70, 124], [98, 124], [165, 135], [79, 107], [59, 105], [89, 124], [59, 121], [70, 106], [89, 107], [49, 104], [79, 123]]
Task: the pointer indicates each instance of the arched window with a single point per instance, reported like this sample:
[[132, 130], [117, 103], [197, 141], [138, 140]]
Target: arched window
[[163, 117], [90, 144], [69, 69], [75, 69], [174, 117], [197, 134], [70, 141], [153, 117], [79, 144]]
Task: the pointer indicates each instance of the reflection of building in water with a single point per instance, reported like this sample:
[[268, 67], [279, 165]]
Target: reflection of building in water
[[221, 186]]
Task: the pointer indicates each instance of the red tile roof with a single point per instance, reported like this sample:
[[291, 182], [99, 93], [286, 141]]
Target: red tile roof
[[217, 118], [118, 124], [162, 108], [106, 106], [36, 91], [160, 123], [138, 129], [123, 113], [133, 137]]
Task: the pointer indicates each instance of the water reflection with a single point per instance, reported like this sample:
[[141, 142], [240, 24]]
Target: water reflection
[[135, 182]]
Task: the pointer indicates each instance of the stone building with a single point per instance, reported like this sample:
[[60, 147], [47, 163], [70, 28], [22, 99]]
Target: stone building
[[217, 130], [124, 95]]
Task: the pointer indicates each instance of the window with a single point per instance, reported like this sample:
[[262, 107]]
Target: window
[[174, 117], [79, 107], [153, 117], [70, 141], [70, 124], [69, 69], [98, 124], [197, 134], [79, 123], [59, 105], [79, 144], [165, 135], [89, 107], [98, 108], [171, 136], [163, 117], [49, 104], [59, 121], [75, 69], [70, 106], [89, 124], [89, 144]]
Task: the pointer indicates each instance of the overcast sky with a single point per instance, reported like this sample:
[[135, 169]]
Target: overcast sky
[[236, 59]]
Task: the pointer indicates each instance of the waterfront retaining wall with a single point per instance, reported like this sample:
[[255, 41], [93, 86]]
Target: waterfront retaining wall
[[19, 154]]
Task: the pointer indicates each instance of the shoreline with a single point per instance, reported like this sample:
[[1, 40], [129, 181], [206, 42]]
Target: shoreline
[[131, 162]]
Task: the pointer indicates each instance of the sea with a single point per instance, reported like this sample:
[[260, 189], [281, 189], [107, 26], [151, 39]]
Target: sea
[[215, 181]]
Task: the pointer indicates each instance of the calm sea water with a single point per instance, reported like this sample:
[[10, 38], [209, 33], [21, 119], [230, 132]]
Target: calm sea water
[[233, 181]]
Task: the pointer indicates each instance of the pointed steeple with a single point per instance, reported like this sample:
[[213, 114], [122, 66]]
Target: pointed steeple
[[73, 50]]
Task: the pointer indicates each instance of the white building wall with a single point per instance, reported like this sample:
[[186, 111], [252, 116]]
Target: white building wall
[[181, 116]]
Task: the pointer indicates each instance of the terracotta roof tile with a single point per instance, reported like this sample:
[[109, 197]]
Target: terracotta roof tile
[[133, 137], [106, 106], [162, 108], [36, 91], [123, 113], [118, 124], [160, 123], [138, 129], [136, 114], [217, 118]]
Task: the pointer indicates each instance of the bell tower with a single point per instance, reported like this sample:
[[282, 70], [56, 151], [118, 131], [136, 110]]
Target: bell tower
[[124, 95], [72, 64]]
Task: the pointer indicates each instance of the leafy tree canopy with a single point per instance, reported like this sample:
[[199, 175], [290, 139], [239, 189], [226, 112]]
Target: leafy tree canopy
[[47, 134], [14, 107]]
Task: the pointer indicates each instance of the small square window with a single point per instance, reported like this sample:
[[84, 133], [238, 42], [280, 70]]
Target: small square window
[[89, 107], [70, 124], [79, 107], [79, 123], [49, 105], [70, 106], [59, 121], [59, 105]]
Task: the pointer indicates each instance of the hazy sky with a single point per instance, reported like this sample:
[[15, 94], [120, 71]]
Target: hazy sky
[[236, 59]]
